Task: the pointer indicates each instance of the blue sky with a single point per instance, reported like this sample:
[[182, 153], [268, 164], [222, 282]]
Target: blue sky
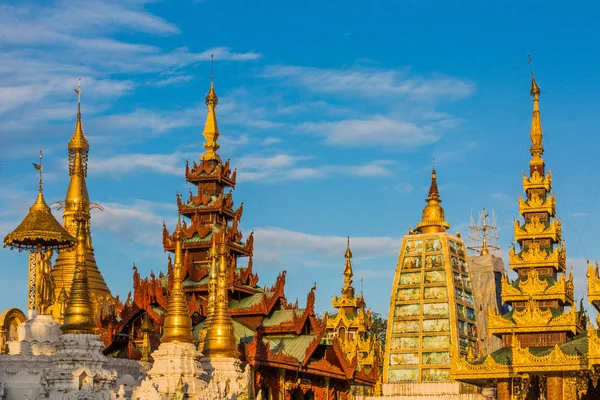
[[331, 111]]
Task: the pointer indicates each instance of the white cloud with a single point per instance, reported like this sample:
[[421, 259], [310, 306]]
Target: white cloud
[[373, 131], [275, 246], [284, 167], [140, 221], [370, 82], [172, 164]]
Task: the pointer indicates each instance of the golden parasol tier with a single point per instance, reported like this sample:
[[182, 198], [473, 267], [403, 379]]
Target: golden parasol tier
[[39, 231]]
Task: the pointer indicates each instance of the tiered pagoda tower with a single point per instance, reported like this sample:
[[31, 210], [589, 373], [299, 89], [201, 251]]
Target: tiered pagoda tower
[[211, 208], [432, 309], [541, 291], [352, 321], [283, 345], [65, 265], [543, 352]]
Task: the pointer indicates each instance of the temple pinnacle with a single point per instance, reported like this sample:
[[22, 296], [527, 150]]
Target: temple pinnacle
[[536, 136], [211, 127], [79, 312], [433, 214], [348, 290], [177, 327]]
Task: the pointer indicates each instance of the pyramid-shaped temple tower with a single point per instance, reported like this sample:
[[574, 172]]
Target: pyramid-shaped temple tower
[[432, 305]]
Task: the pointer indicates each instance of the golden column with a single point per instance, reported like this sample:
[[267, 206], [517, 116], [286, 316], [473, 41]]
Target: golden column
[[177, 327], [220, 340], [79, 313]]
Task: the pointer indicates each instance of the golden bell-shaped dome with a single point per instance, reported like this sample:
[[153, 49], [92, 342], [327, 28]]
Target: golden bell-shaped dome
[[432, 219]]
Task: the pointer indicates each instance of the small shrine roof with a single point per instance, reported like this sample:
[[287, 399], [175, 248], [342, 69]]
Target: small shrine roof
[[294, 346], [281, 316], [247, 301]]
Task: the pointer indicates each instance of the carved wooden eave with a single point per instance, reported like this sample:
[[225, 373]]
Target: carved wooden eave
[[535, 204], [339, 302], [297, 323], [536, 181], [534, 229], [522, 361], [593, 280], [208, 171], [593, 353], [533, 319], [537, 289], [206, 204], [204, 242], [536, 257]]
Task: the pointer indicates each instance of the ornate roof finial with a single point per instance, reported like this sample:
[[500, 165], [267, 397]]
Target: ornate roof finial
[[535, 134], [177, 327], [433, 214], [348, 290], [211, 127], [79, 312]]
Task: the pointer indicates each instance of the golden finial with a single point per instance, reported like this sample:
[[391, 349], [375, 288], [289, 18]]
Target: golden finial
[[79, 313], [78, 141], [535, 134], [219, 341], [211, 127], [433, 214], [177, 327], [348, 290]]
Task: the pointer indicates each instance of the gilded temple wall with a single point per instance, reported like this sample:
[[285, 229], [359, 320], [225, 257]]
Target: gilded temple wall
[[432, 307]]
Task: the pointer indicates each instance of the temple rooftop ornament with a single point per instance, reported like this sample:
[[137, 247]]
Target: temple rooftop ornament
[[77, 193], [79, 313], [39, 229], [433, 214], [211, 127], [178, 324]]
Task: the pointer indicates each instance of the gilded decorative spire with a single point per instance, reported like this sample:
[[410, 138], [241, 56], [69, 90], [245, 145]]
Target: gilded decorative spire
[[535, 134], [177, 327], [433, 214], [348, 290], [79, 313], [220, 340], [76, 196], [78, 158], [211, 128]]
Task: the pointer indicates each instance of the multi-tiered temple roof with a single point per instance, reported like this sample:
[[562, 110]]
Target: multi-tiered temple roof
[[285, 344]]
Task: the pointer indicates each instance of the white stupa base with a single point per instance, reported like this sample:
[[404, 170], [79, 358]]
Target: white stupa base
[[79, 369], [172, 362], [227, 379], [36, 336]]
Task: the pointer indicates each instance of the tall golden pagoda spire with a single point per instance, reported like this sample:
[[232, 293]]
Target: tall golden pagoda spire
[[220, 340], [79, 313], [348, 290], [77, 194], [536, 149], [211, 128], [432, 220], [177, 327]]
